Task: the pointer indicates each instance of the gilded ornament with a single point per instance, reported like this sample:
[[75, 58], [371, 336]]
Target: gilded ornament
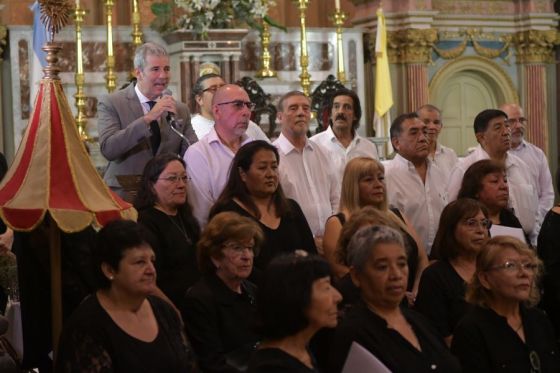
[[536, 46], [3, 34], [55, 14]]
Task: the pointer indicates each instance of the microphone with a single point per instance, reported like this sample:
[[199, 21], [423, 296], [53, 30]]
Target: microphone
[[173, 121]]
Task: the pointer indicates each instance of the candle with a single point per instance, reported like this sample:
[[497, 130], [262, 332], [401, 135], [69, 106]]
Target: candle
[[336, 4], [77, 3]]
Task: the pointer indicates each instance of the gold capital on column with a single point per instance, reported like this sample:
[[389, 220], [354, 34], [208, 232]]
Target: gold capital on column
[[411, 45], [536, 46], [3, 34]]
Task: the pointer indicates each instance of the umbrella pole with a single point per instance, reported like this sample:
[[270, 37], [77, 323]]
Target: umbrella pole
[[56, 285]]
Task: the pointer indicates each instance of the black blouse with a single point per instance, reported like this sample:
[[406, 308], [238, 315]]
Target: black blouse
[[371, 331], [219, 323], [441, 296], [274, 360], [484, 342]]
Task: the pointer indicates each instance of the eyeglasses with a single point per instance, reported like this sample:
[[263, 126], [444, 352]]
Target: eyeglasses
[[238, 104], [521, 120], [473, 224], [213, 88], [515, 267], [175, 178], [238, 248]]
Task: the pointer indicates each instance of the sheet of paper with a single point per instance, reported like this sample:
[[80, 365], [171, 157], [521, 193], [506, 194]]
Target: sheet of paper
[[500, 230], [361, 360]]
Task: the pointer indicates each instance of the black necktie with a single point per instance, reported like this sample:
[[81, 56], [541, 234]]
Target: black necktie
[[154, 128]]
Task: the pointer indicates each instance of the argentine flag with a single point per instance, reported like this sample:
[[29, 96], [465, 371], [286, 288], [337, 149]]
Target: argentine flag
[[38, 60]]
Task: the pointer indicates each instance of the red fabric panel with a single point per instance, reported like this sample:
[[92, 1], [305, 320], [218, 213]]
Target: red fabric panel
[[23, 219], [63, 194]]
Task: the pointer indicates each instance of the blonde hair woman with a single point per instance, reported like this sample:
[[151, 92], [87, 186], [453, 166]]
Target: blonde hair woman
[[363, 185], [503, 331]]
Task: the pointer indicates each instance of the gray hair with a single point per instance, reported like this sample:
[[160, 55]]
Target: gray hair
[[366, 239], [146, 49]]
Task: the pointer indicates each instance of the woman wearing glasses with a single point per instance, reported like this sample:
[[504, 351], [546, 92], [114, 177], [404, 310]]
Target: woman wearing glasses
[[503, 332], [219, 310], [463, 230], [486, 182], [163, 209]]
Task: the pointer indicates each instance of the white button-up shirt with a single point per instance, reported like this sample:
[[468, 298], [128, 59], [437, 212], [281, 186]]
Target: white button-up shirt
[[445, 158], [309, 179], [339, 155], [522, 188], [421, 202], [208, 163], [538, 164], [202, 127]]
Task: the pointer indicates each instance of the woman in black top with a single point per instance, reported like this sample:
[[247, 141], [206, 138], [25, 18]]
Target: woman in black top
[[296, 300], [253, 190], [163, 209], [486, 182], [463, 230], [400, 338], [503, 332], [363, 184], [219, 310], [122, 327]]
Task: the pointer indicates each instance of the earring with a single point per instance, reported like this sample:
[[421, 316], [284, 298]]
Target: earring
[[111, 278]]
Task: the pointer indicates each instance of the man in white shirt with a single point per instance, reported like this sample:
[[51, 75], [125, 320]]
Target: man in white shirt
[[443, 157], [340, 139], [305, 169], [202, 94], [414, 185], [492, 131], [208, 160], [533, 157]]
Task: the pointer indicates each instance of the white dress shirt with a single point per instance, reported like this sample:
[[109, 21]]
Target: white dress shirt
[[202, 127], [339, 155], [208, 162], [538, 164], [308, 178], [422, 203], [445, 158], [522, 188]]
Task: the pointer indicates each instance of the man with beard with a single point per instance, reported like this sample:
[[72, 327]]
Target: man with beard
[[414, 185], [443, 157], [134, 123], [340, 139], [533, 156], [208, 160], [305, 172], [493, 133]]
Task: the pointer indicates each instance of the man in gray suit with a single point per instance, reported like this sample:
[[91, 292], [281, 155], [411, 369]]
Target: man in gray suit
[[134, 123]]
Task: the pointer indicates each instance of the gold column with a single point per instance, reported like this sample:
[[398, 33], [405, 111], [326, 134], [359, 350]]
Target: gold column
[[79, 77], [110, 76], [265, 71], [534, 51], [136, 30], [338, 19], [413, 47], [305, 78]]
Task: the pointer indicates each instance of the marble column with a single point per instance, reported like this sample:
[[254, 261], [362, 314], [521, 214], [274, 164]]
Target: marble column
[[534, 50], [413, 47]]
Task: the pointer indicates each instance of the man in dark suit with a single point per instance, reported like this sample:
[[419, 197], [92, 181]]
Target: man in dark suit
[[134, 123]]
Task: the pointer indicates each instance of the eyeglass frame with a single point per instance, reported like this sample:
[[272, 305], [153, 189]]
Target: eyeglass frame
[[511, 266], [237, 104], [175, 178], [239, 248], [212, 88], [521, 120], [484, 223]]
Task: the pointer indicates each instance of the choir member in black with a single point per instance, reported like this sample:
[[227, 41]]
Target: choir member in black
[[503, 332], [253, 190], [463, 231], [548, 250], [122, 327], [296, 300], [219, 310], [486, 181], [164, 210], [400, 338]]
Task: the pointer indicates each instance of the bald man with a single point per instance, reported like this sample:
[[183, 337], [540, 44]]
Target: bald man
[[533, 156], [209, 159]]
